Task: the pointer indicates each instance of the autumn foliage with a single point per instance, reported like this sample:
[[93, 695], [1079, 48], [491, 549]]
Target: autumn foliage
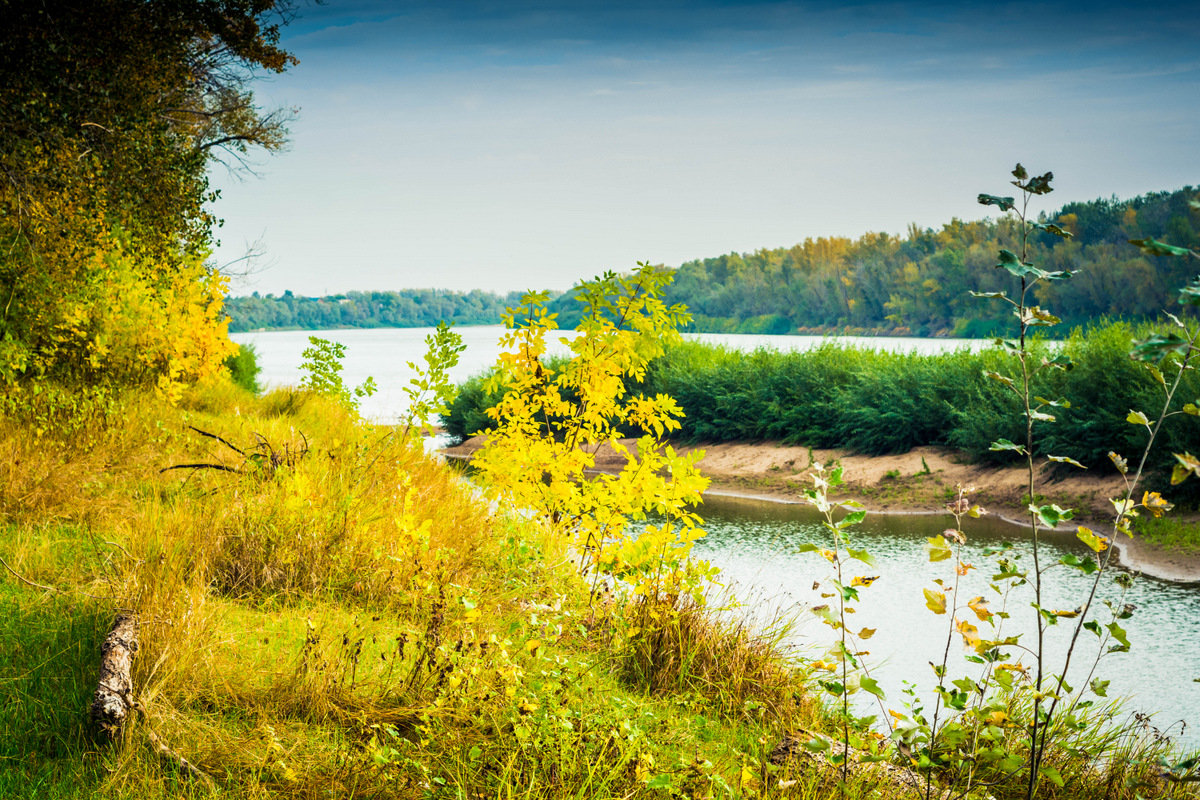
[[111, 114]]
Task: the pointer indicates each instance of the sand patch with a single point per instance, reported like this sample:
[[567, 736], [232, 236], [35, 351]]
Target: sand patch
[[923, 479]]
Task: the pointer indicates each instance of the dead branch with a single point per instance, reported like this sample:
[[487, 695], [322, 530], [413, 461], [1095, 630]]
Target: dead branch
[[170, 755], [234, 448], [25, 580], [221, 467], [264, 456]]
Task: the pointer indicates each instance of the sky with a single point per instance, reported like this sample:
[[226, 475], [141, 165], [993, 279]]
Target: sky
[[518, 144]]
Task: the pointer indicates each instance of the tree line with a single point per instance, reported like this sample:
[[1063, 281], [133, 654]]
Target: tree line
[[408, 308], [919, 283]]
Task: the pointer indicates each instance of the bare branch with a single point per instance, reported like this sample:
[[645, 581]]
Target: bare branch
[[234, 448]]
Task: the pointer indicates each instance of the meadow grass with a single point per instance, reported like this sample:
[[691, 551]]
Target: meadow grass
[[346, 617]]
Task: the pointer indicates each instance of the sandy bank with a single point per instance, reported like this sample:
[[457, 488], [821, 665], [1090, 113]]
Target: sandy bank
[[921, 480]]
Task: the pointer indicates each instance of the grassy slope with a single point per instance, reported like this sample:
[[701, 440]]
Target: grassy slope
[[357, 623], [353, 623]]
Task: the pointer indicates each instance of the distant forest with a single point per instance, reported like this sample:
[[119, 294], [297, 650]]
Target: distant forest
[[915, 284], [408, 308]]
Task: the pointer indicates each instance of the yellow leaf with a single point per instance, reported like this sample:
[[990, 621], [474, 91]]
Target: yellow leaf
[[935, 601], [969, 633], [979, 606], [1155, 504]]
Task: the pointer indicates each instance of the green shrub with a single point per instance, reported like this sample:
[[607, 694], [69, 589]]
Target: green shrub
[[244, 368]]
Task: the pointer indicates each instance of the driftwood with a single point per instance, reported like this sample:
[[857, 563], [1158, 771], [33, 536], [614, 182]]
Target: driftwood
[[114, 691], [114, 698]]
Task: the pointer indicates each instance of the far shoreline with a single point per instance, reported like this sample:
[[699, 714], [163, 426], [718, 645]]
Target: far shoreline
[[914, 483]]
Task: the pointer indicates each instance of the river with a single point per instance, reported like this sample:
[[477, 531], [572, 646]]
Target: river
[[384, 353], [755, 543]]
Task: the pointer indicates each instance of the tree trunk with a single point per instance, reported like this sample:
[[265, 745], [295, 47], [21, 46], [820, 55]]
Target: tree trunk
[[114, 692]]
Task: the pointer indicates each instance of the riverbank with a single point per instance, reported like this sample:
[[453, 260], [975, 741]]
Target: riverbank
[[919, 481]]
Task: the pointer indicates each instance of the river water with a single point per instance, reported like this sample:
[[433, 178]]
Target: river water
[[755, 544], [384, 353]]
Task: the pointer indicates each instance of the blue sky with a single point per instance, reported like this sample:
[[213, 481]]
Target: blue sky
[[516, 145]]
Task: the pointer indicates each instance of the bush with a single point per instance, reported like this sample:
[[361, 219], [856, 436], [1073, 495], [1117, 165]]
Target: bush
[[880, 402], [244, 369]]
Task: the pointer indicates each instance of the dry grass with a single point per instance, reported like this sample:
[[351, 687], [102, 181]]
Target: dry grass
[[352, 622]]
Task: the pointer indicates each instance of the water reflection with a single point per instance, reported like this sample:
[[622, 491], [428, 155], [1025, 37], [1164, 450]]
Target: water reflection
[[754, 543]]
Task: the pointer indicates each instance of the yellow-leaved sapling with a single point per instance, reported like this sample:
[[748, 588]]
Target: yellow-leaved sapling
[[550, 424]]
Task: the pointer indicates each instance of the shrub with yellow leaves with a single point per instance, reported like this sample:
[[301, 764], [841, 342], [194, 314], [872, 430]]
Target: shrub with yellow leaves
[[549, 427]]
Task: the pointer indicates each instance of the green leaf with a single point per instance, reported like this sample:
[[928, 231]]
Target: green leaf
[[1087, 565], [474, 753], [1005, 444], [1118, 633], [1190, 295], [1093, 626], [1023, 269], [853, 518], [835, 476], [1051, 774], [1158, 346], [833, 687], [1039, 185], [1060, 361], [1011, 345], [861, 555], [1052, 514], [1099, 687], [807, 547], [1008, 260], [1137, 418], [662, 781], [937, 548], [1050, 227], [997, 295], [872, 686], [849, 593], [1004, 203], [1157, 248], [1019, 172]]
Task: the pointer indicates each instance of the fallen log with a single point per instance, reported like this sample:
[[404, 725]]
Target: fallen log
[[114, 691]]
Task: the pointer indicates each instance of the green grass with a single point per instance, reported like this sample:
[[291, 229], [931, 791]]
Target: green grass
[[358, 624], [1170, 532]]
